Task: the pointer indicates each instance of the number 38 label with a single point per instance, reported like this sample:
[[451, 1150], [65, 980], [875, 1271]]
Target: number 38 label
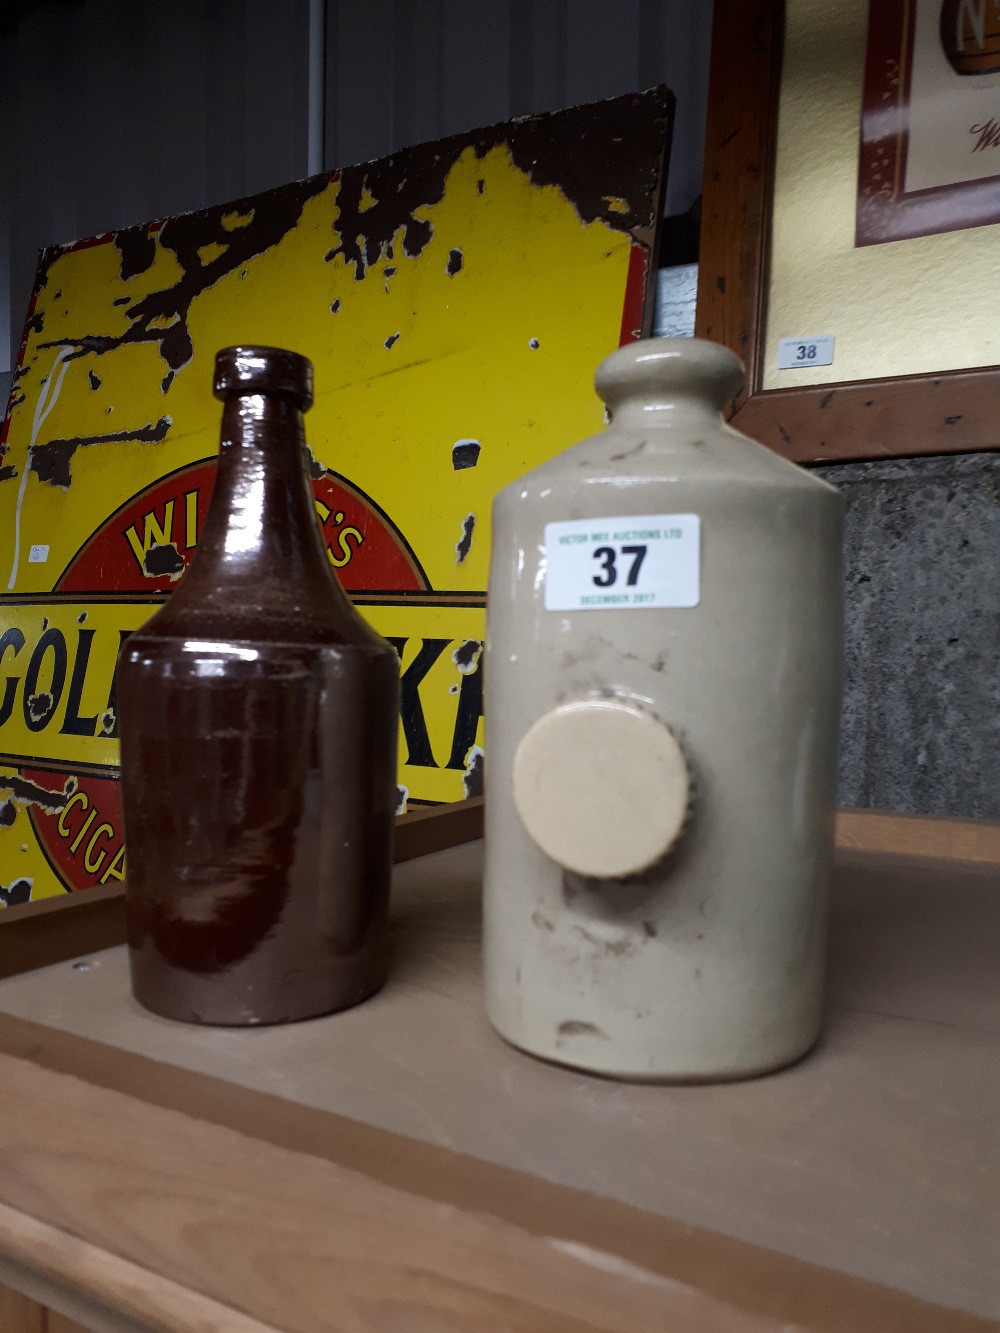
[[804, 353], [620, 564]]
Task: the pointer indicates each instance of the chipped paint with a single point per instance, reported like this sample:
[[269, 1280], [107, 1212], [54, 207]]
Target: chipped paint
[[465, 453], [50, 461], [235, 219], [31, 793], [161, 317], [475, 773], [47, 399], [163, 558], [206, 255], [18, 892], [381, 203], [466, 656], [40, 707], [464, 544]]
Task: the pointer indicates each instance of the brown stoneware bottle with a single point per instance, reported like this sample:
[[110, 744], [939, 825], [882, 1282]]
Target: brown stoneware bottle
[[258, 717]]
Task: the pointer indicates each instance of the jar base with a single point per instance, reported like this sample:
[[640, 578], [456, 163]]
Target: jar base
[[681, 1078], [179, 1003]]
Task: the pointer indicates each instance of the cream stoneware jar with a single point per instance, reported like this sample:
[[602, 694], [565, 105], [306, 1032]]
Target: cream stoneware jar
[[662, 700]]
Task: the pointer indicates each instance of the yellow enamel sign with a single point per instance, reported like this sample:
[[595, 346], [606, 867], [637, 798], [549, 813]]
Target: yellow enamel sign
[[454, 301]]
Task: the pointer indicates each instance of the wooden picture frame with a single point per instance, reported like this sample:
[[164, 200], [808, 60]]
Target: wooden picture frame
[[950, 412]]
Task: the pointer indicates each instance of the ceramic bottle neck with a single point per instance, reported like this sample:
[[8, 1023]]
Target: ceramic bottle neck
[[643, 412], [262, 523], [261, 568], [261, 571], [668, 382]]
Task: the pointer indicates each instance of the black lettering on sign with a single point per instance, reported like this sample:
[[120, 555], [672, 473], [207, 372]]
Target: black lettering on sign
[[11, 638], [109, 719], [73, 723], [40, 705], [418, 742], [470, 710]]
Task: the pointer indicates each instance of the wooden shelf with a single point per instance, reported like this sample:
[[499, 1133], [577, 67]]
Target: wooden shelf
[[398, 1166]]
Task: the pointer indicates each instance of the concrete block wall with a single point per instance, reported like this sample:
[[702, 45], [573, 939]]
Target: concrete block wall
[[921, 719]]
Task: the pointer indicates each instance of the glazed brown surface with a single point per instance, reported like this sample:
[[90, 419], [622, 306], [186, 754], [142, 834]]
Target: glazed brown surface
[[258, 717]]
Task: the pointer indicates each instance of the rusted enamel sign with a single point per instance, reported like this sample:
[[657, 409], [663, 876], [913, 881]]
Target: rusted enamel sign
[[454, 299]]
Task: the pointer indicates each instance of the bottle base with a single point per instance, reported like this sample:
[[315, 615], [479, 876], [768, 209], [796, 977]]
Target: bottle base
[[678, 1076], [182, 1001]]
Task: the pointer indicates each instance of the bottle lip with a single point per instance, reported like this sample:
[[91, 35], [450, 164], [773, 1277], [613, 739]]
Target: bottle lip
[[252, 368], [666, 368]]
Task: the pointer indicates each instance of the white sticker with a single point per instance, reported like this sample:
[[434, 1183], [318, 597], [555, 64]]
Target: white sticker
[[38, 555], [620, 564], [801, 353]]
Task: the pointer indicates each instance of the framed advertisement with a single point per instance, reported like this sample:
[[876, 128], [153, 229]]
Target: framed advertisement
[[917, 345], [929, 158]]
